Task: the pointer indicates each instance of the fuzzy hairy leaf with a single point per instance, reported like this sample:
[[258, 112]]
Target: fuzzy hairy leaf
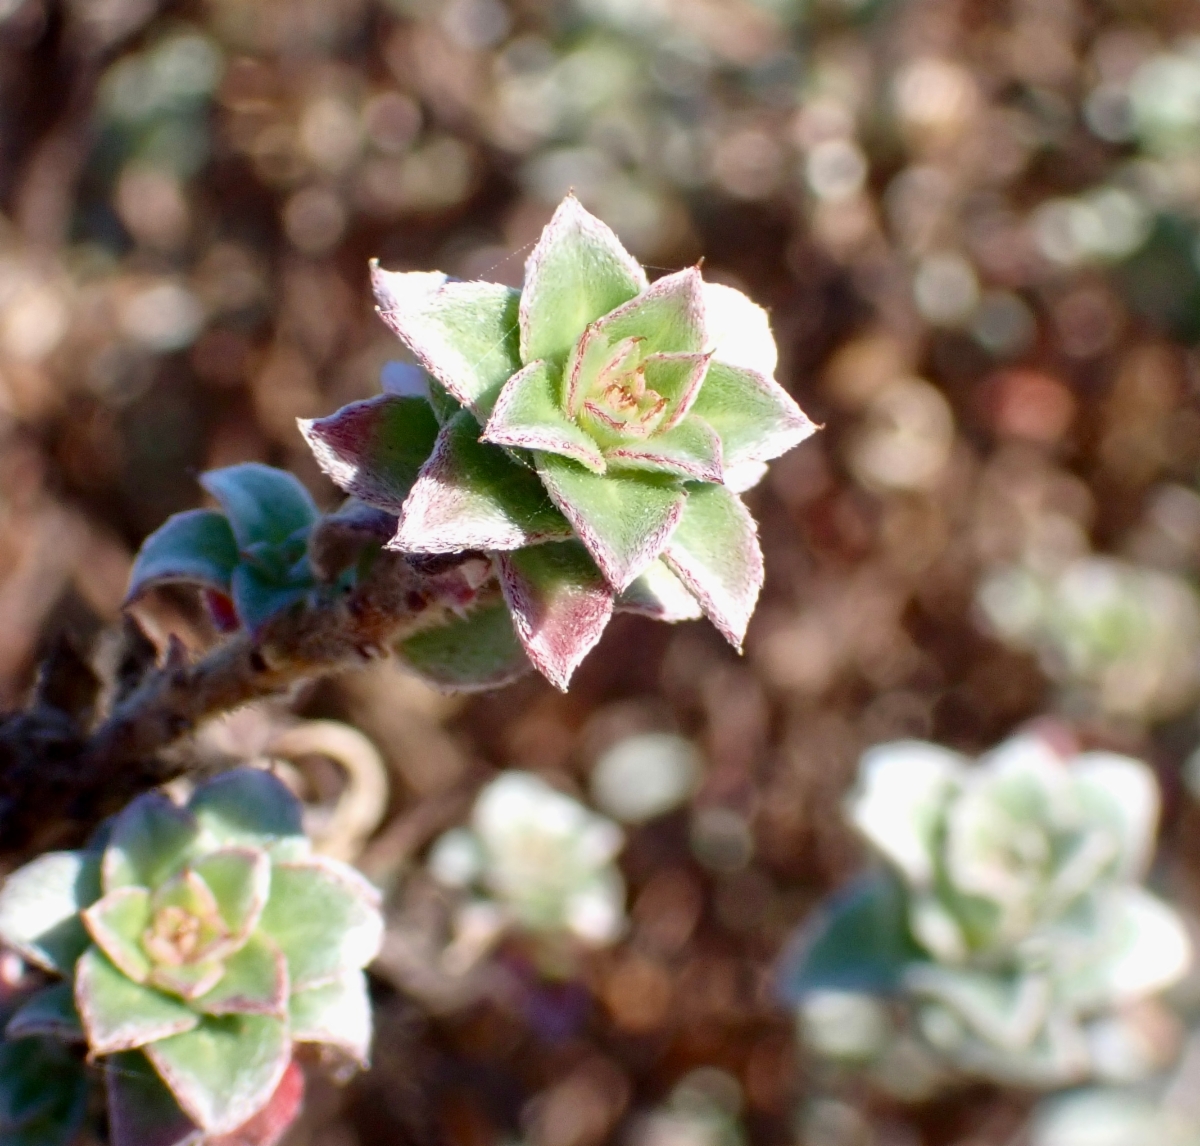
[[197, 547], [678, 378], [577, 272], [325, 918], [226, 1069], [119, 1014], [263, 504], [40, 905], [43, 1093], [248, 807], [149, 841], [755, 418], [560, 605], [859, 941], [480, 650], [739, 330], [116, 924], [689, 450], [668, 318], [50, 1012], [714, 551], [466, 334], [337, 1015], [141, 1110], [622, 518], [660, 595], [472, 495], [528, 415], [254, 981], [375, 449]]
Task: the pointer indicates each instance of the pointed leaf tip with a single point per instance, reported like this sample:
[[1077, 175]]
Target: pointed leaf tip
[[560, 606]]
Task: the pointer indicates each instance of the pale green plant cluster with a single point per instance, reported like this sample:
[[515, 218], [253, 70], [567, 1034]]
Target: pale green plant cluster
[[1010, 932]]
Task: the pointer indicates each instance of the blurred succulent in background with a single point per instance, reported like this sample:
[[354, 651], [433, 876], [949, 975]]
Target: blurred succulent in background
[[1119, 639], [589, 433], [1009, 938], [199, 945], [538, 862]]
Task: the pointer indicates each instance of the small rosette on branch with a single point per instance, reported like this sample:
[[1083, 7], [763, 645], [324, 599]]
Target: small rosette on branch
[[606, 420]]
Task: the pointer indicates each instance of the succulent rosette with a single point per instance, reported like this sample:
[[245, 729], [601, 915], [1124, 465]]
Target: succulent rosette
[[1013, 923], [590, 433], [198, 947]]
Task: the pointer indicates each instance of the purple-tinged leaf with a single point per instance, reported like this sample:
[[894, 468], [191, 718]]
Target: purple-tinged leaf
[[472, 495], [577, 272], [150, 840], [257, 597], [714, 551], [478, 651], [688, 450], [623, 518], [464, 334], [40, 905], [197, 547], [374, 449], [116, 924], [226, 1070], [247, 807], [404, 380], [254, 981], [240, 880], [528, 415], [50, 1013], [755, 418], [560, 605], [325, 918], [668, 317], [678, 378], [660, 595], [336, 1015], [119, 1014], [263, 504], [340, 539], [141, 1110]]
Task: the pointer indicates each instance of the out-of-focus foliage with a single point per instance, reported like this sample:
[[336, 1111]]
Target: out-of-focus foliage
[[1018, 941]]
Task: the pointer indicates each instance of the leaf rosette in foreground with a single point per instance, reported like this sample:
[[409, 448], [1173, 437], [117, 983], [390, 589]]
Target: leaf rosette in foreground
[[590, 432], [200, 946]]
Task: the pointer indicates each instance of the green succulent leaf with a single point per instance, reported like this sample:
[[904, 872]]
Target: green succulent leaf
[[117, 923], [258, 597], [623, 518], [678, 378], [714, 551], [263, 504], [225, 1070], [528, 415], [1007, 1011], [660, 595], [466, 334], [150, 840], [50, 1012], [375, 449], [40, 905], [1122, 793], [472, 495], [577, 272], [480, 650], [197, 547], [240, 880], [755, 418], [668, 318], [337, 1015], [43, 1093], [689, 450], [119, 1014], [325, 918], [739, 330], [560, 605], [858, 942], [141, 1110], [254, 981], [248, 807]]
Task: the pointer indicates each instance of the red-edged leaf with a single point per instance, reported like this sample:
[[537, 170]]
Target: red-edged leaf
[[714, 551], [678, 378], [141, 1110], [668, 317], [560, 605], [270, 1124], [660, 595], [623, 518], [528, 416], [374, 449], [689, 450], [464, 334], [472, 495]]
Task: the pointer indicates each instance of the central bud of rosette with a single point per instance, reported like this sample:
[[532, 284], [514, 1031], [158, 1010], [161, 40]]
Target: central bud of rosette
[[187, 938], [607, 391]]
